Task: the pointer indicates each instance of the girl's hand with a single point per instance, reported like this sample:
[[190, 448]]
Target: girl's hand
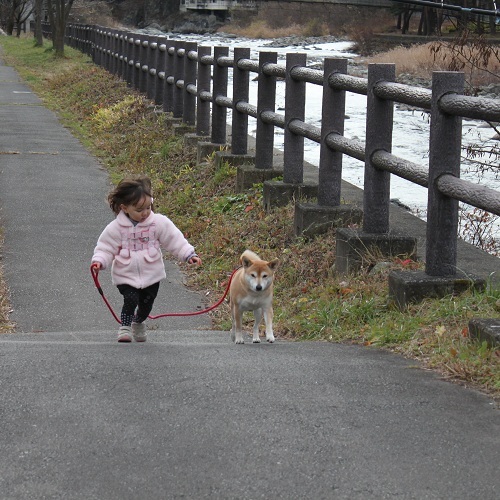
[[195, 260], [96, 265]]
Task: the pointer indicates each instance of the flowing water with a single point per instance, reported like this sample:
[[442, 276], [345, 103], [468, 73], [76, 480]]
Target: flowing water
[[411, 127]]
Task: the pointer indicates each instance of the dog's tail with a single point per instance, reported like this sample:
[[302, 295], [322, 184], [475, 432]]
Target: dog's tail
[[249, 256]]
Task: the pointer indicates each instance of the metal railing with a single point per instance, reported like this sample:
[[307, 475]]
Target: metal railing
[[191, 82]]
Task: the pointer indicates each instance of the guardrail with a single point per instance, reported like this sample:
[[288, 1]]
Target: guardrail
[[191, 83]]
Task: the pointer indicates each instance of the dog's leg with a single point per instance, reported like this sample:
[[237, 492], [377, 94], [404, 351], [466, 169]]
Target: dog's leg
[[268, 320], [237, 331], [258, 318]]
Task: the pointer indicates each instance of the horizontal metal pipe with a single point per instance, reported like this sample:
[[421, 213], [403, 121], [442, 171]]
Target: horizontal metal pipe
[[206, 96], [207, 60], [400, 167], [249, 65], [304, 129], [245, 107], [225, 62], [468, 192], [271, 69], [339, 81], [351, 147], [307, 75], [481, 108], [273, 118], [222, 100], [405, 94]]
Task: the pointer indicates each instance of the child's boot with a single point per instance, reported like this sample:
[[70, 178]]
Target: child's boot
[[124, 334], [139, 332]]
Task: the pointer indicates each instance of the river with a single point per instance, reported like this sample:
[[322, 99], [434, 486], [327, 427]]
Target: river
[[411, 127]]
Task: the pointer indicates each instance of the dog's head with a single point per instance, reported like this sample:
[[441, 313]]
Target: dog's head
[[259, 274]]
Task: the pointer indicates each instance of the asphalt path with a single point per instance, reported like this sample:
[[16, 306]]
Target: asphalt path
[[188, 414]]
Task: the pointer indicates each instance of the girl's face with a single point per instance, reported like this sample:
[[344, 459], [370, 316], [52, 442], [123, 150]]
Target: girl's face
[[139, 212]]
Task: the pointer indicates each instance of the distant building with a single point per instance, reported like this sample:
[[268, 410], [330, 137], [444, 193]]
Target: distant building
[[216, 6]]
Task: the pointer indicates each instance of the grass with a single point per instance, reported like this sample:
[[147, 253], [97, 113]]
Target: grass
[[126, 132]]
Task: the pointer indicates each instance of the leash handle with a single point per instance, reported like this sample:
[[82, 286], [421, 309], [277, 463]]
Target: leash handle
[[95, 276]]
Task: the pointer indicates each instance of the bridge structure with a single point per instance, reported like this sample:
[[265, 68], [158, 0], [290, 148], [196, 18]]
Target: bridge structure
[[482, 7], [433, 13], [223, 6]]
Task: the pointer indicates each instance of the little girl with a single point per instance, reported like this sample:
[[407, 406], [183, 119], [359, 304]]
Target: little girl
[[131, 246]]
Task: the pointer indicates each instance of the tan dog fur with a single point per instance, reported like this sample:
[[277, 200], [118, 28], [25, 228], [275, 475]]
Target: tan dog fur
[[252, 290]]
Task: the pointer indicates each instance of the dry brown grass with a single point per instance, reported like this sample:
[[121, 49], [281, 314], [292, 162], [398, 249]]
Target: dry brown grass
[[6, 326], [260, 29], [416, 60], [422, 60]]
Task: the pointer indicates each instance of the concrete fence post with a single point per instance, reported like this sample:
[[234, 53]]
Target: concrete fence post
[[332, 122], [137, 63], [160, 69], [96, 44], [260, 168], [115, 50], [203, 106], [109, 51], [241, 82], [143, 60], [122, 72], [278, 193], [106, 44], [178, 93], [311, 219], [168, 94], [379, 123], [376, 238], [219, 113], [295, 102], [444, 158], [151, 62], [266, 101], [130, 40], [441, 276], [190, 66]]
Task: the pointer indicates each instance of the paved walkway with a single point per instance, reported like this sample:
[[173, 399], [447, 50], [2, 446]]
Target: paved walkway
[[188, 414]]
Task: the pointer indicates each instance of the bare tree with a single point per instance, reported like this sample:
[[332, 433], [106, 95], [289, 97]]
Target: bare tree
[[14, 13], [58, 11]]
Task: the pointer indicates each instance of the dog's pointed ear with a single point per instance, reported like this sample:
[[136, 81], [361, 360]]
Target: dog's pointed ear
[[273, 264], [245, 261]]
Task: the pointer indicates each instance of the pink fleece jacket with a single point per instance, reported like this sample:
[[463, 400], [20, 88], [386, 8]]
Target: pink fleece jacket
[[134, 251]]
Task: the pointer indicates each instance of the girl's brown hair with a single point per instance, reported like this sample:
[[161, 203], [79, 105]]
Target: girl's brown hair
[[129, 192]]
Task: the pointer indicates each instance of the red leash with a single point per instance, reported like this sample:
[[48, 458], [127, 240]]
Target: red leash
[[95, 275]]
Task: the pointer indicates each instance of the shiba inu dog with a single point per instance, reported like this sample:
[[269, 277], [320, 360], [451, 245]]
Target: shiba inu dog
[[252, 290]]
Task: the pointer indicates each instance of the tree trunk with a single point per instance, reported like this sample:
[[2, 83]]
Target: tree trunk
[[58, 16], [38, 23]]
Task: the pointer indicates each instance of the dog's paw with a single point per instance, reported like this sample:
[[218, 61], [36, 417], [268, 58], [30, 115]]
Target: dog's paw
[[256, 340], [270, 338], [239, 341]]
